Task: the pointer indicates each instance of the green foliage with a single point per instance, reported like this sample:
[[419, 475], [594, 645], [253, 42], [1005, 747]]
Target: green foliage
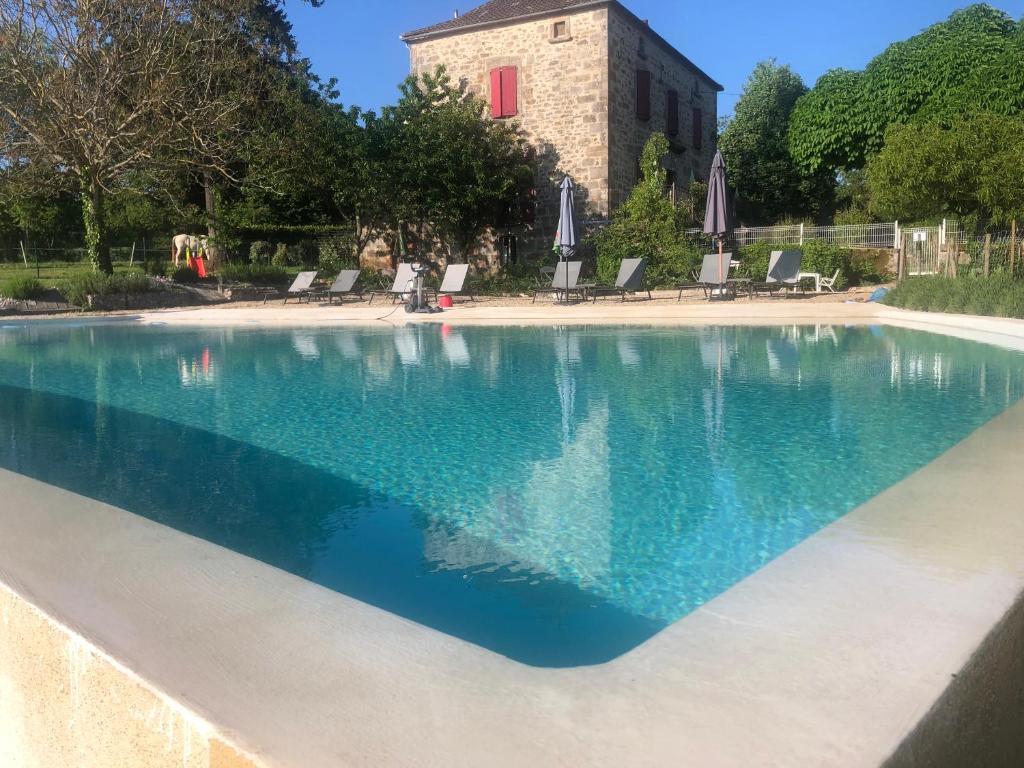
[[280, 257], [78, 287], [755, 145], [260, 252], [969, 63], [970, 169], [818, 256], [335, 254], [185, 275], [254, 274], [443, 164], [1000, 296], [648, 226], [23, 289], [512, 280]]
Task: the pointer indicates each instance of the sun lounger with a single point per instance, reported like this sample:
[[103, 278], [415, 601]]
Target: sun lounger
[[783, 273], [713, 278], [347, 284], [303, 286], [630, 280], [454, 282], [399, 287], [564, 281]]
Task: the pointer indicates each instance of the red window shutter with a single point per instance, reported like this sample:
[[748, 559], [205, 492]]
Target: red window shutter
[[643, 94], [496, 93], [672, 113], [509, 93], [698, 128]]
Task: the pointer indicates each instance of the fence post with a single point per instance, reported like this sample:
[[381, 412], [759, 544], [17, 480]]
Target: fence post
[[1013, 248], [24, 256], [901, 261], [801, 233], [131, 259], [988, 254], [896, 239]]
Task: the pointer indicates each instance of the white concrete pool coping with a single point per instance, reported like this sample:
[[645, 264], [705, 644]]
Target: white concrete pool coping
[[830, 655]]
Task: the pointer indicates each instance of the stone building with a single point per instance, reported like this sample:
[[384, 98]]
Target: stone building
[[588, 82]]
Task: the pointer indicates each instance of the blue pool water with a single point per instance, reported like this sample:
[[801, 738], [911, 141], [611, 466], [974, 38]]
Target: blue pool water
[[556, 495]]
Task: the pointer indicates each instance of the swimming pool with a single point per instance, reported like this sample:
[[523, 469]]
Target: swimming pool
[[557, 495]]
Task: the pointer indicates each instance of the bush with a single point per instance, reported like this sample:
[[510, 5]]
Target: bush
[[23, 289], [754, 260], [512, 279], [260, 252], [185, 275], [335, 254], [254, 274], [155, 267], [77, 288], [280, 257], [825, 259], [1000, 296]]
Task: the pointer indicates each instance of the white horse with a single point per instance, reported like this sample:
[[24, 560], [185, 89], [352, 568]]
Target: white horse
[[195, 245]]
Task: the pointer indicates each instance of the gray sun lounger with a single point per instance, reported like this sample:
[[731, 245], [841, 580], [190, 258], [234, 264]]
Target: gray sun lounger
[[712, 277], [565, 280], [347, 284], [630, 280], [783, 272], [398, 288], [454, 282], [303, 286]]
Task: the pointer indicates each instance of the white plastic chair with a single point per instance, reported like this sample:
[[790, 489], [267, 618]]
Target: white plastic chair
[[829, 282]]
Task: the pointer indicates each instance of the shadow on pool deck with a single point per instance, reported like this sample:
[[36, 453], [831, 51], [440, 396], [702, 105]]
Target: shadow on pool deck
[[308, 522]]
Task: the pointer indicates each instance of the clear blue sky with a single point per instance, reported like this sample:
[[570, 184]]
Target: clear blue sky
[[357, 42]]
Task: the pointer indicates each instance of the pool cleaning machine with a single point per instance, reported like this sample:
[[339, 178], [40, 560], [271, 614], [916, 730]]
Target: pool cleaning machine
[[416, 297]]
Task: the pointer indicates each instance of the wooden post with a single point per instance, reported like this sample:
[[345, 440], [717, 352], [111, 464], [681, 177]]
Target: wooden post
[[131, 259], [24, 256], [1013, 248], [988, 254]]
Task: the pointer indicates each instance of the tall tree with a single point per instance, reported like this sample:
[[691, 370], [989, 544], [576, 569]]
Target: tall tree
[[97, 91], [970, 169], [769, 185], [971, 62], [451, 171]]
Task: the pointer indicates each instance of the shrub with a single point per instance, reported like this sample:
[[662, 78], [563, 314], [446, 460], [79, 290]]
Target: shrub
[[754, 260], [77, 288], [335, 254], [1000, 296], [648, 226], [260, 252], [156, 266], [825, 259], [254, 274], [511, 279], [23, 289], [185, 275], [280, 257]]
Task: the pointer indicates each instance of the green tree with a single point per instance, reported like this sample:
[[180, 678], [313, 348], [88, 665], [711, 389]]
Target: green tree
[[450, 172], [648, 226], [769, 185], [969, 63], [970, 168]]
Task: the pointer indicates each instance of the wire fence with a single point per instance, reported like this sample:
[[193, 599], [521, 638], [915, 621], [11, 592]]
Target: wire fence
[[874, 236]]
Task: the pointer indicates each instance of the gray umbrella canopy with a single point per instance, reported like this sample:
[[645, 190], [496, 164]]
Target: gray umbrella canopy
[[566, 236], [718, 218]]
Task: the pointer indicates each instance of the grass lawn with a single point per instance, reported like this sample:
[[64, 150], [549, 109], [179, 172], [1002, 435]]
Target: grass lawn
[[51, 273], [998, 296]]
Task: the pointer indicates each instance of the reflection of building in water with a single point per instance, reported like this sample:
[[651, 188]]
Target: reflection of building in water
[[197, 371], [559, 521]]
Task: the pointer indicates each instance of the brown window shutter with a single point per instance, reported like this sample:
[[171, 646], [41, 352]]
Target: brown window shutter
[[643, 94], [672, 113]]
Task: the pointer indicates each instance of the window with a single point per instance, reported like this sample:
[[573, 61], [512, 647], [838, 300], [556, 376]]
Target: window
[[672, 114], [560, 31], [504, 98], [509, 245], [643, 94], [698, 128]]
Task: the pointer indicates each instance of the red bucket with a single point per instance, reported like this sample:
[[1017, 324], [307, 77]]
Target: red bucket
[[445, 302]]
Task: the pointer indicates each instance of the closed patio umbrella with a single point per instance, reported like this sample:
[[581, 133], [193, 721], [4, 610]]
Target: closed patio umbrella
[[718, 217], [565, 238]]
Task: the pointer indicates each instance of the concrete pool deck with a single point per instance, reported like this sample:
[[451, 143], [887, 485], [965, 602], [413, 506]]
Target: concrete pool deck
[[880, 638]]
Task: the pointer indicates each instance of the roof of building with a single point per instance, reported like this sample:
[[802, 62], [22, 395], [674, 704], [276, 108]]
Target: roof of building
[[496, 12]]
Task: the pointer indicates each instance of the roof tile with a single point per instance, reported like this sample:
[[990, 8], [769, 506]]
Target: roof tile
[[498, 10]]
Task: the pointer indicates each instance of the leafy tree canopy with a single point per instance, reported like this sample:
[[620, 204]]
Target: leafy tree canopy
[[768, 183], [970, 169], [971, 62]]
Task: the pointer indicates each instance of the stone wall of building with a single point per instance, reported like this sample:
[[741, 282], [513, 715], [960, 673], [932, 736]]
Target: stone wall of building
[[633, 47], [562, 102]]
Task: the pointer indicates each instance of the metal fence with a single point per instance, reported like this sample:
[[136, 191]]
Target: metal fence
[[876, 236]]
